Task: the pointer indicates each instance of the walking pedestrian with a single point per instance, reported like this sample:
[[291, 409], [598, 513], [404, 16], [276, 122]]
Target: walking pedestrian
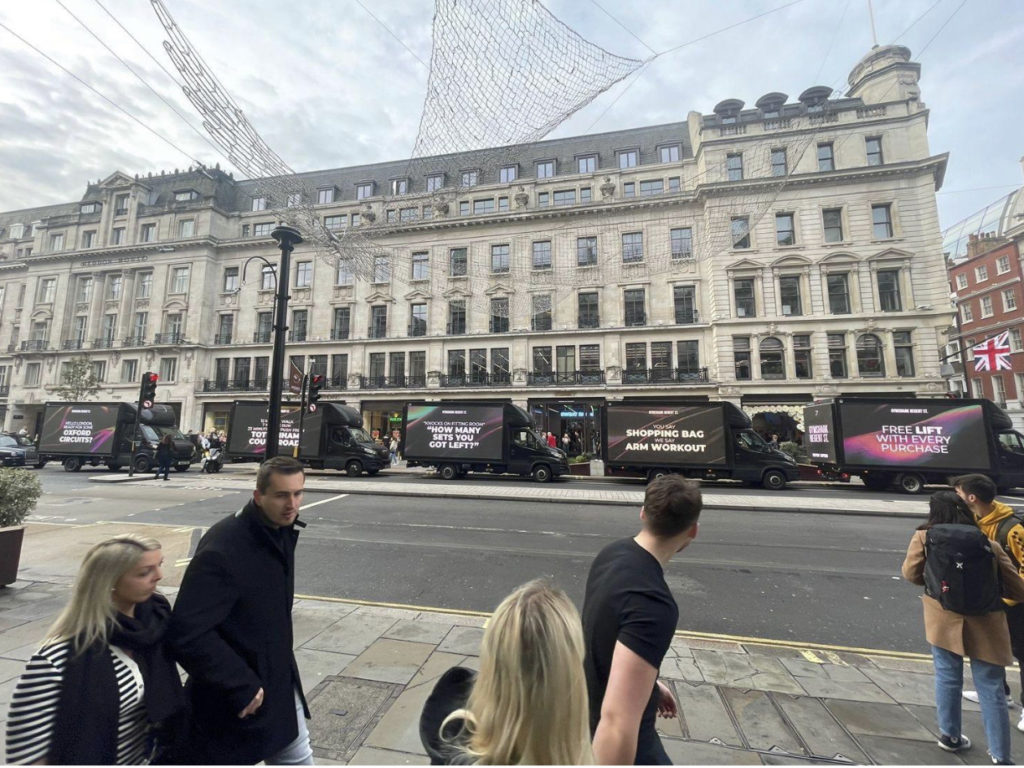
[[393, 448], [629, 618], [552, 440], [232, 629], [103, 688], [528, 704], [997, 521], [963, 616], [164, 456]]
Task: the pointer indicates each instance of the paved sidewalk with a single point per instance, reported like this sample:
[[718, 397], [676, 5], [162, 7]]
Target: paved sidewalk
[[367, 670]]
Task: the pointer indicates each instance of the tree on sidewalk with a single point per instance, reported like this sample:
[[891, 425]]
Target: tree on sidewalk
[[78, 380]]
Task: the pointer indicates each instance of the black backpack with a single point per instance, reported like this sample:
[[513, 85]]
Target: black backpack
[[961, 571], [1006, 525]]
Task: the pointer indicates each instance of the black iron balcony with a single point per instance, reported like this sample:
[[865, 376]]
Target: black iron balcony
[[382, 382], [261, 337], [34, 345], [169, 338], [665, 376], [337, 382], [72, 344], [105, 342], [222, 338], [687, 317], [558, 378], [339, 334], [456, 328], [418, 328], [589, 322], [296, 335], [473, 379], [416, 380], [134, 341], [498, 325], [235, 385], [378, 333], [5, 391]]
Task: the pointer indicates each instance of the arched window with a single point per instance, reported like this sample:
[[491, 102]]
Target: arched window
[[869, 356], [772, 363]]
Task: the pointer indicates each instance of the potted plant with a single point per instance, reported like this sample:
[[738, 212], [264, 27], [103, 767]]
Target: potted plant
[[19, 492], [579, 465]]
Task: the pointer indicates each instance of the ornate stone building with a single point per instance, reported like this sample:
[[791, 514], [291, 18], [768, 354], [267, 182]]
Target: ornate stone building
[[766, 255]]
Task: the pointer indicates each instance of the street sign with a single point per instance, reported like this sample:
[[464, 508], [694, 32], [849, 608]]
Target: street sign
[[147, 403], [312, 407]]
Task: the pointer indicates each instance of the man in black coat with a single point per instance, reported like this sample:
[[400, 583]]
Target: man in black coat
[[232, 629]]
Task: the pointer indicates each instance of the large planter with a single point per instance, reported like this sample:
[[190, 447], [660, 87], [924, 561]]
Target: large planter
[[581, 468], [10, 553]]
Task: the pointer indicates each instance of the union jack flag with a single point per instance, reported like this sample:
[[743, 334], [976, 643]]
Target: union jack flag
[[993, 354]]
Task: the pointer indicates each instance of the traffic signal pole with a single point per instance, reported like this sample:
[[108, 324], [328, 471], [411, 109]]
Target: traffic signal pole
[[302, 415], [147, 394], [287, 238]]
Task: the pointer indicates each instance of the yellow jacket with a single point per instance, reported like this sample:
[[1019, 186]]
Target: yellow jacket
[[989, 525]]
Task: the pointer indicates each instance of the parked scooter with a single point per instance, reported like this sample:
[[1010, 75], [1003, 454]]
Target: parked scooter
[[212, 461]]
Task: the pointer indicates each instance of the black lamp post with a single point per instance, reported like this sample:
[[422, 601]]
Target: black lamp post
[[287, 238]]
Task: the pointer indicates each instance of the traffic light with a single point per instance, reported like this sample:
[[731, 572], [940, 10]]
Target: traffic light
[[147, 392], [316, 381]]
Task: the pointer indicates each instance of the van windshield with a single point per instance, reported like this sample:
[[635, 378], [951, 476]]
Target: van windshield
[[150, 434], [526, 438], [172, 431], [752, 441], [360, 435]]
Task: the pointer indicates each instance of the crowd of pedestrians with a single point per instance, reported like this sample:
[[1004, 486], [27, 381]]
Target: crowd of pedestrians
[[554, 686]]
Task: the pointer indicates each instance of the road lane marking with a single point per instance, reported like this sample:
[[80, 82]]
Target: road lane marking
[[333, 498]]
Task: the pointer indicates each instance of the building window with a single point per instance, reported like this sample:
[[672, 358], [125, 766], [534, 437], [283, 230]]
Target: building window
[[32, 372], [399, 186], [324, 196], [541, 314], [179, 280], [545, 169], [226, 329], [684, 300], [263, 229], [258, 204], [629, 189], [118, 236], [977, 388], [484, 206], [873, 145], [115, 287], [588, 312], [1009, 300], [838, 293], [741, 357], [586, 164], [139, 326], [420, 265], [364, 190], [966, 314], [734, 166], [981, 273], [1002, 265], [652, 187], [743, 294], [904, 353], [335, 223], [826, 157], [802, 356], [457, 317], [89, 239], [632, 247], [83, 290], [669, 154], [168, 369], [636, 362], [503, 204], [832, 221], [688, 358], [129, 370], [785, 232], [673, 184], [961, 281], [499, 258], [186, 229], [499, 315], [586, 251], [508, 174], [299, 325], [542, 254], [837, 355], [87, 208], [57, 242], [457, 265], [1016, 346], [303, 274], [773, 365], [293, 200], [406, 215], [986, 306], [565, 197], [457, 364], [869, 356], [435, 182], [345, 276], [881, 220], [264, 327], [740, 226], [47, 290], [148, 233], [470, 178], [789, 295], [590, 358], [633, 302], [889, 290], [342, 323], [230, 279], [779, 167], [681, 239], [381, 269], [628, 158], [268, 279], [121, 205]]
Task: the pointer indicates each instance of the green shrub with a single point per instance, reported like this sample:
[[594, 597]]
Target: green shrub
[[583, 458], [20, 489], [798, 452]]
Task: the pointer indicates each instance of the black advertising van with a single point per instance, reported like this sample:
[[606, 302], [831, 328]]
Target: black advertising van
[[76, 434], [457, 437], [706, 440], [332, 437], [911, 442]]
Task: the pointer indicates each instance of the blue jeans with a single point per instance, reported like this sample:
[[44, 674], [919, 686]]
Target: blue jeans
[[300, 753], [988, 680]]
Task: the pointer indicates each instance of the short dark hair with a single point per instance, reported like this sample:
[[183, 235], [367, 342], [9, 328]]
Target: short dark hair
[[978, 485], [672, 505], [944, 508], [279, 465]]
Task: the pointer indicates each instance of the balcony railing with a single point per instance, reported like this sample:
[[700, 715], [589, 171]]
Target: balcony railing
[[296, 335], [499, 326], [222, 339], [5, 391], [231, 385], [337, 382], [552, 378], [339, 334], [261, 337], [378, 333], [106, 342], [134, 341], [382, 382], [72, 344], [665, 376], [169, 338], [456, 329], [34, 345], [475, 379], [418, 329]]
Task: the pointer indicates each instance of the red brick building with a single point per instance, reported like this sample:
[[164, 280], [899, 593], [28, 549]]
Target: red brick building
[[988, 287]]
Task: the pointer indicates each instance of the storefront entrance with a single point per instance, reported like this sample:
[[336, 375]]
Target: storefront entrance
[[580, 420]]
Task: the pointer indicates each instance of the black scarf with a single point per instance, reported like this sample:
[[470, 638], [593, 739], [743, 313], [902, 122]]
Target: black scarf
[[85, 731]]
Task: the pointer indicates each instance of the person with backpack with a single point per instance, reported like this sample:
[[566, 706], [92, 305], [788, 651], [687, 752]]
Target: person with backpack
[[964, 575], [1000, 523]]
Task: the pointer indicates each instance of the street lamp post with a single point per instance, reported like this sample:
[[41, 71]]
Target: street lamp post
[[287, 238]]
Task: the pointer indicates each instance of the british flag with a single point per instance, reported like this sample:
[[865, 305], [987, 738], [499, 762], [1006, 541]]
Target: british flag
[[993, 354]]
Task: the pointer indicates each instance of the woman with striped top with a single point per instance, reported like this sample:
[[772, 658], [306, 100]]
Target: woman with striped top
[[102, 687]]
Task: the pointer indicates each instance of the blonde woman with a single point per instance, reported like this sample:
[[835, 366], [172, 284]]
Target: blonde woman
[[102, 678], [528, 704]]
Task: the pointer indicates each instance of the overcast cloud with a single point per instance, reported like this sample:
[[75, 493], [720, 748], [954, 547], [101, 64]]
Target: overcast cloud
[[327, 85]]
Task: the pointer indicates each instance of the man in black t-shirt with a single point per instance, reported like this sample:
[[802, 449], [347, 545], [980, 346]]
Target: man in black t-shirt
[[629, 618]]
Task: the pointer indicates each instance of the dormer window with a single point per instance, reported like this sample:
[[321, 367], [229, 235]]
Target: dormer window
[[325, 195], [508, 174], [364, 190], [17, 231], [258, 204], [87, 208], [184, 195], [771, 105], [815, 98], [294, 199], [435, 182], [545, 169], [470, 178], [399, 186], [728, 111]]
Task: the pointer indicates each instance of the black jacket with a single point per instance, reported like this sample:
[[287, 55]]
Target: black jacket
[[232, 632], [450, 693]]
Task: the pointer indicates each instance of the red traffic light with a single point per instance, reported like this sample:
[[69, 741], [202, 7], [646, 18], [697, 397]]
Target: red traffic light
[[316, 381], [152, 378]]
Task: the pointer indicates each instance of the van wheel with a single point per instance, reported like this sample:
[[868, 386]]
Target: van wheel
[[353, 468], [654, 474], [449, 472], [71, 464], [911, 482], [372, 472], [39, 464], [541, 473], [181, 467], [142, 464], [113, 466], [773, 480]]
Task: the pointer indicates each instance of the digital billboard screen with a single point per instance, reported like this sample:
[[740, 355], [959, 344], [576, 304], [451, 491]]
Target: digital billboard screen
[[247, 435], [448, 431], [646, 434], [79, 428], [820, 433]]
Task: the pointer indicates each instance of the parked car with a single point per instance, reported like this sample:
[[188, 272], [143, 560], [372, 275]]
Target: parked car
[[17, 450]]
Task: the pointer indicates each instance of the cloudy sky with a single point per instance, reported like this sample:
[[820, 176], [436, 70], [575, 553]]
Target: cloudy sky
[[330, 83]]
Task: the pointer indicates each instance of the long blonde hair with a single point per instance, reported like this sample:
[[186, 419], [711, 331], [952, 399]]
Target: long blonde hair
[[529, 702], [90, 614]]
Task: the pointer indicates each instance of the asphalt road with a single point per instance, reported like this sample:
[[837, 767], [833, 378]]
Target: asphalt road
[[802, 577]]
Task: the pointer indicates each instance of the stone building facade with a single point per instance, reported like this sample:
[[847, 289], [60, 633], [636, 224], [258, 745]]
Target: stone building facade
[[766, 255]]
